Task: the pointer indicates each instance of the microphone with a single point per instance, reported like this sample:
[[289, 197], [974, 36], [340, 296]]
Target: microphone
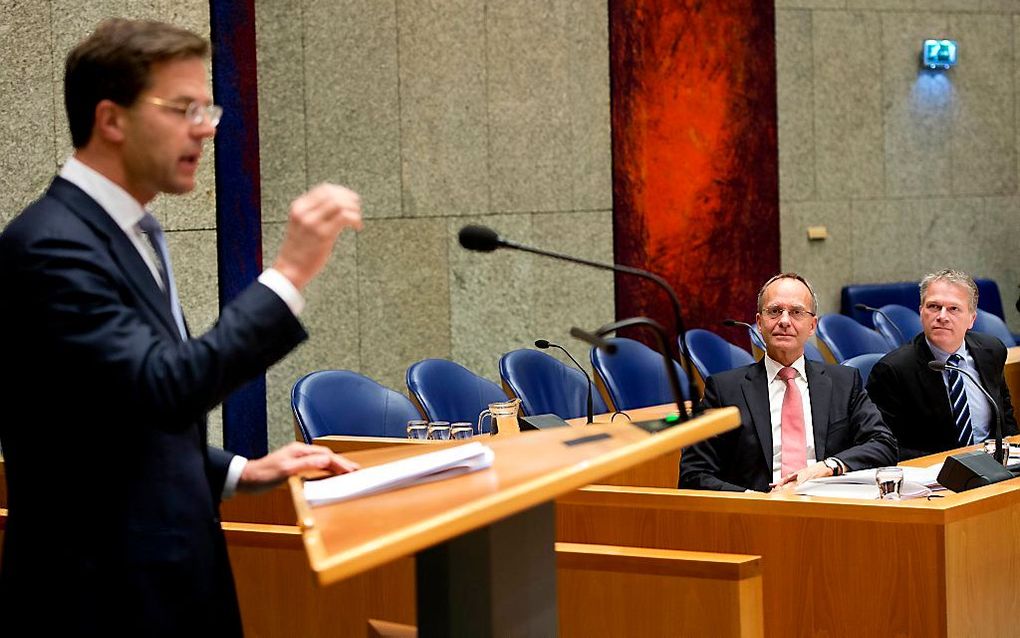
[[733, 323], [938, 366], [544, 345], [484, 239], [660, 335], [878, 311]]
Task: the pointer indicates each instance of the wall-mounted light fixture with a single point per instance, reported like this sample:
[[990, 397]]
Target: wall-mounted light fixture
[[938, 54]]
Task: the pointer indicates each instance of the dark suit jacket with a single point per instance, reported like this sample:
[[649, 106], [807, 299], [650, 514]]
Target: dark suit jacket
[[913, 399], [113, 493], [845, 423]]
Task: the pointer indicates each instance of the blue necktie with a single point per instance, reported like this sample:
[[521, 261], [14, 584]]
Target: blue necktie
[[958, 401], [154, 232]]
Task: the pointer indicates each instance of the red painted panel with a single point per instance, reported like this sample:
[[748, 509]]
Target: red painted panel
[[695, 159]]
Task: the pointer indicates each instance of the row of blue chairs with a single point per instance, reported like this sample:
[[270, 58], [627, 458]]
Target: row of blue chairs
[[345, 402]]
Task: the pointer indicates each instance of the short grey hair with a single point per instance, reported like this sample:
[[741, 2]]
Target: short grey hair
[[788, 275], [951, 276]]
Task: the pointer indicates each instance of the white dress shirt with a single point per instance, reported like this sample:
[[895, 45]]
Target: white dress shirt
[[777, 390], [126, 212]]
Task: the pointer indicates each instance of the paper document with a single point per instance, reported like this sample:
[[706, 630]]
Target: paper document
[[414, 470], [918, 482]]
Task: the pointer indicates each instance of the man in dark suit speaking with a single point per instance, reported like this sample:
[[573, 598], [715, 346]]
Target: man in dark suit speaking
[[930, 411], [799, 419], [113, 493]]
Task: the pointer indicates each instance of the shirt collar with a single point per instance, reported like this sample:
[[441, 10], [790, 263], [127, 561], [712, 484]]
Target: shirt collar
[[118, 204], [943, 356], [772, 367]]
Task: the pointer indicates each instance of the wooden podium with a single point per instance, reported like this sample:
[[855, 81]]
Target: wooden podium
[[484, 542]]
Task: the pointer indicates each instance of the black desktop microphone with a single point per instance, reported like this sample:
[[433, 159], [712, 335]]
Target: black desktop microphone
[[938, 366], [484, 239], [544, 345], [596, 340], [878, 311], [733, 323]]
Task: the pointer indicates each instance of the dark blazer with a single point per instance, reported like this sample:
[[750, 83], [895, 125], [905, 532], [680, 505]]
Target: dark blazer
[[913, 398], [846, 425], [113, 493]]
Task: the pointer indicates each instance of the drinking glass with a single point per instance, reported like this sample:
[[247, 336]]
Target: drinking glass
[[461, 430], [417, 429], [439, 430], [989, 446], [889, 480]]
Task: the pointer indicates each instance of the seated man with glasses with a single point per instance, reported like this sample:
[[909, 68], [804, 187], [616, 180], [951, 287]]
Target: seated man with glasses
[[932, 411], [799, 419]]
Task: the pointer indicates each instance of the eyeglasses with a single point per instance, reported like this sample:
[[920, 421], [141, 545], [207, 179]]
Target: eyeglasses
[[196, 114], [797, 314]]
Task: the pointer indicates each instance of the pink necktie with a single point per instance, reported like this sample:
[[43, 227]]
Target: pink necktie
[[794, 446]]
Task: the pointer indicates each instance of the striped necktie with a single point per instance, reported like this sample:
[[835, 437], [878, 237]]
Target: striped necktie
[[154, 234], [958, 401]]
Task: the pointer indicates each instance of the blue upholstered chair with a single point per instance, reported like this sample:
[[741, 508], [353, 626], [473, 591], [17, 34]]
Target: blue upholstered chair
[[988, 323], [447, 391], [634, 376], [811, 351], [546, 386], [710, 354], [845, 338], [344, 402], [864, 363], [906, 321]]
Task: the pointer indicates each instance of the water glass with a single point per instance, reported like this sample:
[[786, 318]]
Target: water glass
[[461, 430], [989, 446], [439, 431], [417, 429], [889, 480]]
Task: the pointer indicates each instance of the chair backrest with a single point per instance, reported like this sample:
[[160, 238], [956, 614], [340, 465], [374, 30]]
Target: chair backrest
[[988, 323], [711, 354], [634, 376], [906, 324], [447, 391], [546, 386], [345, 402], [864, 363], [845, 338]]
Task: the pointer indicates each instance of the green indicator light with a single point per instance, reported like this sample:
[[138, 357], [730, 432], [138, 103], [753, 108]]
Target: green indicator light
[[672, 418]]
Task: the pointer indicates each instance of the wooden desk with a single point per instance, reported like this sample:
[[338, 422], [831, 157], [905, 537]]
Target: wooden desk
[[836, 567], [484, 541]]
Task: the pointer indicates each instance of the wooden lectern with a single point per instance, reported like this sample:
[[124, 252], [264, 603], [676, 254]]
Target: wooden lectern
[[484, 542]]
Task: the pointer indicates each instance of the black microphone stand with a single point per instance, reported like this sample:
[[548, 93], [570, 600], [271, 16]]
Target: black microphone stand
[[878, 311], [660, 334], [733, 323], [545, 345], [485, 239], [938, 366]]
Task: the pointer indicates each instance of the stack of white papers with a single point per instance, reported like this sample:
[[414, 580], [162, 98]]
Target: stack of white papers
[[414, 470], [918, 482]]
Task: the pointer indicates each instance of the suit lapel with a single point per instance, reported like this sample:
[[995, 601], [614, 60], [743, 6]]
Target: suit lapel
[[121, 248], [931, 386], [756, 397], [820, 391], [983, 361]]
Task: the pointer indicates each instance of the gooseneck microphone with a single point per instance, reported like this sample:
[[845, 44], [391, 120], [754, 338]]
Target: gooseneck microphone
[[596, 340], [938, 366], [878, 311], [733, 323], [544, 345], [484, 239]]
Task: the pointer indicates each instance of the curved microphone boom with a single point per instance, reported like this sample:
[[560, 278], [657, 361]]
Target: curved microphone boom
[[939, 366], [545, 345], [733, 323], [660, 335], [484, 239], [878, 311]]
